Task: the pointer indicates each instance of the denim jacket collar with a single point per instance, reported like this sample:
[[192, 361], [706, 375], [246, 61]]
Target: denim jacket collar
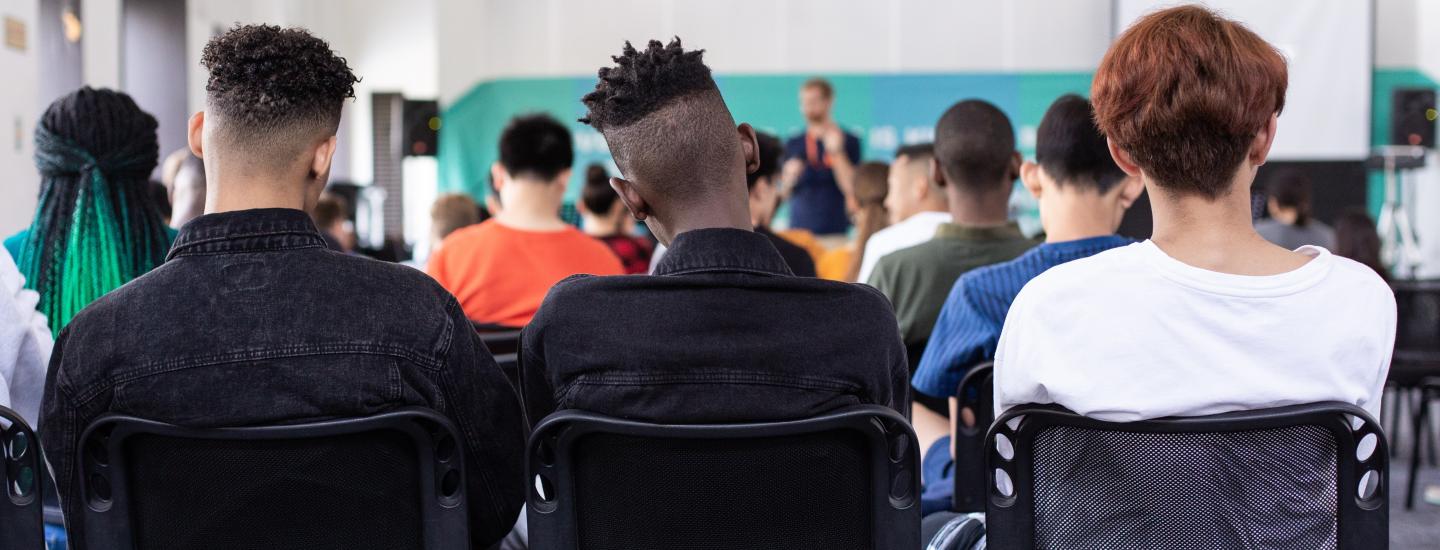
[[259, 230], [722, 249]]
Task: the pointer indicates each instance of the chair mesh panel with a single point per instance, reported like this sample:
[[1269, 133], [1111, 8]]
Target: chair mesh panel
[[341, 492], [799, 492], [1418, 312], [1102, 490]]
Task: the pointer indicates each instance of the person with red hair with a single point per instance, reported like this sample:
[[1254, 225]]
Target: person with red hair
[[1206, 316]]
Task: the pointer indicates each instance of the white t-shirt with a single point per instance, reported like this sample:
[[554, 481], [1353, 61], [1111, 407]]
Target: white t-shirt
[[1132, 333], [911, 231]]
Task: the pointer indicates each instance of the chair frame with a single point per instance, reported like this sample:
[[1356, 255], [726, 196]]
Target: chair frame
[[21, 517], [445, 518], [894, 458], [1361, 523], [969, 441]]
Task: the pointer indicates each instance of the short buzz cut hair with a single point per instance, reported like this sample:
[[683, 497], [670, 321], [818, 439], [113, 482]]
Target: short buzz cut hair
[[975, 145], [821, 84], [1071, 149], [536, 146], [1185, 91], [663, 118], [275, 90]]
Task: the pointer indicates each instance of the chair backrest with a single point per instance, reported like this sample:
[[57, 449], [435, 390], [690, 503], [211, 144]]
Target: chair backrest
[[509, 364], [1417, 318], [847, 479], [976, 393], [497, 338], [1307, 476], [21, 513], [391, 480]]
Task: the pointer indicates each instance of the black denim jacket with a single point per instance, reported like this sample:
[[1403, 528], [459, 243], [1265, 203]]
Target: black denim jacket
[[723, 332], [252, 320]]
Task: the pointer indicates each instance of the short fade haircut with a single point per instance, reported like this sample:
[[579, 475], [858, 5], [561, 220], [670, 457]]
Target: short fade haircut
[[974, 145], [769, 153], [663, 117], [1071, 149], [275, 90], [536, 146], [1184, 91], [820, 84]]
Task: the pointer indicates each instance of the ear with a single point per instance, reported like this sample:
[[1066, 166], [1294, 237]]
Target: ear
[[632, 199], [1130, 190], [197, 134], [1260, 148], [750, 146], [324, 156], [498, 175], [1015, 161], [1030, 178], [1123, 159], [936, 174]]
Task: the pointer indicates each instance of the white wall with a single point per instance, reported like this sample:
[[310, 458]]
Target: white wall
[[100, 44], [19, 109]]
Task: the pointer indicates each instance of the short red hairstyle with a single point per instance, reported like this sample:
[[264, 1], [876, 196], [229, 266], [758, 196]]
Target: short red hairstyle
[[1184, 91]]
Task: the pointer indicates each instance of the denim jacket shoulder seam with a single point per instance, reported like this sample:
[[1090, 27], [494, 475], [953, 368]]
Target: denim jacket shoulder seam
[[180, 253]]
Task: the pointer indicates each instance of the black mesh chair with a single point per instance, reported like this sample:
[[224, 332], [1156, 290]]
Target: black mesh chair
[[976, 393], [1307, 476], [844, 480], [1415, 368], [394, 480], [501, 342], [21, 514]]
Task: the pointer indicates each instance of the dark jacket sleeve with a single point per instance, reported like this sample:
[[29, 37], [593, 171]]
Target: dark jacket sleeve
[[484, 407], [59, 433], [535, 388]]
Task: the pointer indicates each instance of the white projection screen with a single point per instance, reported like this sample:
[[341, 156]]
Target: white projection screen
[[1329, 45]]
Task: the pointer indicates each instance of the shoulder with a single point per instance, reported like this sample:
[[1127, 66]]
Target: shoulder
[[1355, 279], [15, 242], [913, 255], [1092, 276]]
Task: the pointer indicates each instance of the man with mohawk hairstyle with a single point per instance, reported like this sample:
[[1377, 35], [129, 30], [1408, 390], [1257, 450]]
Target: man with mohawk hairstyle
[[729, 333]]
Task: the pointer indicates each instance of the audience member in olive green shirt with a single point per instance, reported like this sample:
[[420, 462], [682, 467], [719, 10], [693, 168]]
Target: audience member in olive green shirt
[[918, 279]]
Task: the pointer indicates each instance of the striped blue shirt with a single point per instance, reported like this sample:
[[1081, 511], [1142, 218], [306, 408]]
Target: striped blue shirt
[[969, 325]]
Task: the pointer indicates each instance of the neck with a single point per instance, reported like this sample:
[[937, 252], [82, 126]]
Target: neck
[[707, 213], [598, 226], [1080, 215], [531, 206], [1212, 234], [232, 192], [987, 209], [816, 126]]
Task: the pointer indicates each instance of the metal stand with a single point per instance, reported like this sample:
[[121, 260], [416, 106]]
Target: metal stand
[[1400, 246]]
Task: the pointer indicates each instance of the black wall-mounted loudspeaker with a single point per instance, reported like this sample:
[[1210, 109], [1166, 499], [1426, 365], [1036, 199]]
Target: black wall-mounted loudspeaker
[[421, 125], [1412, 117]]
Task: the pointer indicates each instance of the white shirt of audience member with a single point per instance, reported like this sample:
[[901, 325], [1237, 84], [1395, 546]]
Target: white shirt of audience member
[[1131, 334], [25, 344], [914, 230]]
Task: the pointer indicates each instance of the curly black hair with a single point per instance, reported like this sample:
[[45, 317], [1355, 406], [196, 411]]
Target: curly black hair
[[264, 78], [644, 81]]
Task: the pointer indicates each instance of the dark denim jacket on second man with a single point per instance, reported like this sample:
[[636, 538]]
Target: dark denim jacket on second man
[[723, 332], [252, 320]]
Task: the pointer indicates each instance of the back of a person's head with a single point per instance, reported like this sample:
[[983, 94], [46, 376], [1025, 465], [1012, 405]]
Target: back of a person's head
[[450, 212], [597, 196], [871, 184], [1291, 189], [96, 226], [916, 152], [536, 147], [975, 147], [329, 210], [1185, 92], [1070, 148], [820, 85], [666, 124], [770, 153], [1357, 239], [273, 93]]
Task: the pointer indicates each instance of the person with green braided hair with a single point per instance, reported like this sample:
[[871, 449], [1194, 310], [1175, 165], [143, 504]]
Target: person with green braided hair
[[95, 227]]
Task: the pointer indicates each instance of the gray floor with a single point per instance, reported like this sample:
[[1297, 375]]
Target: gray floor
[[1417, 529]]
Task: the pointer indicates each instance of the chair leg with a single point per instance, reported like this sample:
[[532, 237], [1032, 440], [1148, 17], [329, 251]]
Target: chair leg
[[1416, 423], [1395, 406], [1430, 430]]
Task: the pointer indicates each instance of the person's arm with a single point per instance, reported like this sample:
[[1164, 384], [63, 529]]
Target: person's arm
[[25, 342], [842, 159], [484, 407], [791, 167], [929, 425]]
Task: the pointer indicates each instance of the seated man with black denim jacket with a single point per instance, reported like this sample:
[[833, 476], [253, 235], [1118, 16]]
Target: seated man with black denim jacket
[[723, 332], [253, 321]]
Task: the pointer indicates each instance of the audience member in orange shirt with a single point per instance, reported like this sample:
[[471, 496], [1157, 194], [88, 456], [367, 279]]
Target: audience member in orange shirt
[[500, 270]]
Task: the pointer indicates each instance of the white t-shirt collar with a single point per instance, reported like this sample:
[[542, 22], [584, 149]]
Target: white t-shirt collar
[[1251, 286]]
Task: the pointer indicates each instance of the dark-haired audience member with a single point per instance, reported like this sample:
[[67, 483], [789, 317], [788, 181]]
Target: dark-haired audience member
[[730, 334], [604, 217], [765, 199], [160, 197], [450, 213], [501, 269], [917, 205], [1290, 224], [1207, 316], [819, 164], [976, 164], [1357, 239], [332, 219], [1082, 196], [183, 174], [867, 208], [263, 324], [96, 227]]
